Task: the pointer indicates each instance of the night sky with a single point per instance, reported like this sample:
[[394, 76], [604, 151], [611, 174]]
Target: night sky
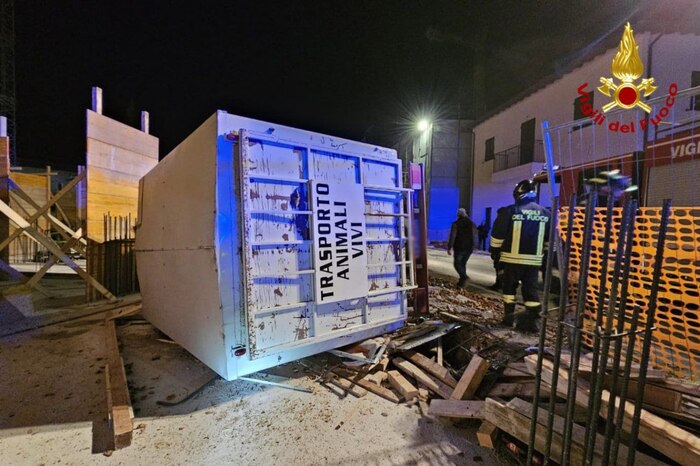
[[356, 69]]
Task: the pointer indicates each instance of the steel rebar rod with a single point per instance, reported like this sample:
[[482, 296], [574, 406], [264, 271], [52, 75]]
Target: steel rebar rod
[[619, 419], [599, 380], [564, 249], [578, 321], [591, 420], [620, 329], [649, 327], [543, 330]]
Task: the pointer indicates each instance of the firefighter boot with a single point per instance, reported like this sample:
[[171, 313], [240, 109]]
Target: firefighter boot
[[527, 321], [508, 315]]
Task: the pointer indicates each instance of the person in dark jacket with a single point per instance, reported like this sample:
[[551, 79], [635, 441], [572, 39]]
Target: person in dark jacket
[[462, 243], [517, 243], [498, 267], [483, 231]]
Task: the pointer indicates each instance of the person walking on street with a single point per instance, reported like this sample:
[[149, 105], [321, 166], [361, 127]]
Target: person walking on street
[[462, 243], [517, 244], [483, 231]]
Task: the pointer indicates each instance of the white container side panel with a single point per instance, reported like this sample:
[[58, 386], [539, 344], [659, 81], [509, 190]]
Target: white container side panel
[[180, 294], [277, 170], [176, 250], [183, 184]]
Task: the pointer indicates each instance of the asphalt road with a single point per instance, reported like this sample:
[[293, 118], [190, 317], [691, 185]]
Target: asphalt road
[[479, 267]]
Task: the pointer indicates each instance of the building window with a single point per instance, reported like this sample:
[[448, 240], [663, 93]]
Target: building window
[[489, 149], [587, 99], [695, 81]]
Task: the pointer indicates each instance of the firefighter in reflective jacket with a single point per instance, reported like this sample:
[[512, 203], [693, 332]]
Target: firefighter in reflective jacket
[[517, 244]]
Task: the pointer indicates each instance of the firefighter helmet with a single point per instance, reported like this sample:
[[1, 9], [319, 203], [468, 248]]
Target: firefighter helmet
[[525, 188]]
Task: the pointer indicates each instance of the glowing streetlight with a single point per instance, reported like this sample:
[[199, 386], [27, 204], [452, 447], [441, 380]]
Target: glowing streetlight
[[423, 125]]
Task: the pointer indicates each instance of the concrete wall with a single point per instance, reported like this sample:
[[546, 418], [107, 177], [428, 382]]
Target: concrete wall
[[450, 176], [673, 58], [445, 150]]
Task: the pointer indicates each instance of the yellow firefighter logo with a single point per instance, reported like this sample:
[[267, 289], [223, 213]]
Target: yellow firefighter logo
[[627, 67]]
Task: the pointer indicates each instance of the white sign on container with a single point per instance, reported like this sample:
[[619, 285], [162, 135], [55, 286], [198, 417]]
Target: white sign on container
[[340, 257]]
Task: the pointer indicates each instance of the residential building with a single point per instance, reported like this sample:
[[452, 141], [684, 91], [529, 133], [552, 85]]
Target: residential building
[[508, 141]]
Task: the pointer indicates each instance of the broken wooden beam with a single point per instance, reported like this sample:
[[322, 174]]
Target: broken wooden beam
[[363, 381], [585, 367], [486, 435], [431, 368], [512, 389], [514, 419], [119, 408], [124, 311], [516, 370], [376, 377], [436, 386], [471, 379], [669, 439], [346, 385], [656, 396], [462, 409], [401, 385]]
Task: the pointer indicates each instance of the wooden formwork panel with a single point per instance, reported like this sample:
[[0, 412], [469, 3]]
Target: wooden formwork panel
[[676, 340], [117, 157], [36, 187]]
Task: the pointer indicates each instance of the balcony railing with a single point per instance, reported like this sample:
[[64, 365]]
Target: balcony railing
[[518, 155]]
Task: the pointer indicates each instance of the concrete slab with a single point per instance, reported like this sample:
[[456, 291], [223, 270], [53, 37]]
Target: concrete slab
[[53, 408]]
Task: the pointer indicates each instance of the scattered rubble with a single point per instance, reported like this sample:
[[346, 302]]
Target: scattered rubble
[[464, 366]]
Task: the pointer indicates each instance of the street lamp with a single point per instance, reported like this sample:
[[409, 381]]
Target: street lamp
[[423, 125]]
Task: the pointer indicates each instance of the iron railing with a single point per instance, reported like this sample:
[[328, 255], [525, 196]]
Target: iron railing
[[517, 156]]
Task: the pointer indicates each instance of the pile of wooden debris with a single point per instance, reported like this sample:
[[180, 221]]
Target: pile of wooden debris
[[463, 371]]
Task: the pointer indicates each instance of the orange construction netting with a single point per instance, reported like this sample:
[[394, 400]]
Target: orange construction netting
[[676, 340]]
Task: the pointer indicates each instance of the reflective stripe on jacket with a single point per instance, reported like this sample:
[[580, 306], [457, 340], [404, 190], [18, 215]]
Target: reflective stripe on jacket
[[520, 232]]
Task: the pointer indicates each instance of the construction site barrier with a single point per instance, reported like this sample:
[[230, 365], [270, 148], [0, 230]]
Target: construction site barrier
[[676, 339]]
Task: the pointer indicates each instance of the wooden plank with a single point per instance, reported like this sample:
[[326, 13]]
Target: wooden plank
[[402, 385], [472, 377], [653, 395], [368, 385], [512, 389], [32, 282], [425, 409], [462, 409], [434, 385], [118, 156], [486, 435], [679, 386], [516, 370], [118, 401], [431, 367], [347, 386], [376, 377], [669, 439], [517, 424], [63, 229], [123, 311], [53, 248], [105, 129], [580, 413], [682, 416], [578, 434], [104, 156], [41, 211], [585, 367]]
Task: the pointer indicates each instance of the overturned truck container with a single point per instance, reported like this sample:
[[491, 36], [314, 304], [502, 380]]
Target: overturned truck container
[[259, 244]]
